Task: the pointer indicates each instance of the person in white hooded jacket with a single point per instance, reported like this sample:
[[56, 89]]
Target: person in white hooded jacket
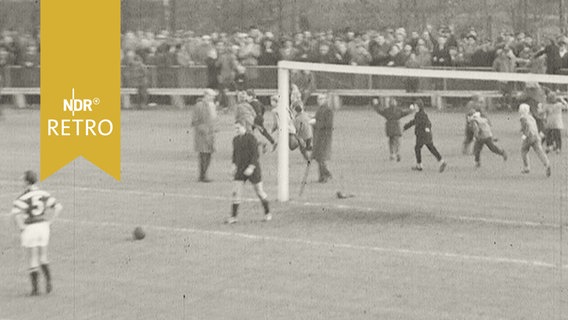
[[531, 139]]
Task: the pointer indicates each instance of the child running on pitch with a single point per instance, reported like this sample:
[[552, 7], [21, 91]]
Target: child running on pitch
[[531, 139], [423, 132], [246, 167], [476, 104], [483, 137]]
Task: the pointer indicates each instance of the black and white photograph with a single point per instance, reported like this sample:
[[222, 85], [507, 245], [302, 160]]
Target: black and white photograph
[[299, 159]]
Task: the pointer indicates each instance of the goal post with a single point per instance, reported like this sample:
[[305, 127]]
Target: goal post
[[283, 132], [284, 68]]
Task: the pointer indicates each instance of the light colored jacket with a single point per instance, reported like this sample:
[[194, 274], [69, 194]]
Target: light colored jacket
[[553, 113], [481, 128]]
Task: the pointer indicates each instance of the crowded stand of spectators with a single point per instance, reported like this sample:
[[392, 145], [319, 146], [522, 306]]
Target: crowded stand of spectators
[[392, 47], [18, 49]]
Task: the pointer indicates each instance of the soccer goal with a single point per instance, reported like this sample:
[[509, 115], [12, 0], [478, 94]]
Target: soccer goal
[[387, 82]]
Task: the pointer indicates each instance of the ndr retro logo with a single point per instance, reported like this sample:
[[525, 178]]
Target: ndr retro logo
[[79, 127]]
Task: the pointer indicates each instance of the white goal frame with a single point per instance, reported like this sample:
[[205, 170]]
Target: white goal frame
[[284, 68]]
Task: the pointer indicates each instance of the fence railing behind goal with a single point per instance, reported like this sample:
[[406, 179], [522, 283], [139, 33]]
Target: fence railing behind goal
[[361, 83]]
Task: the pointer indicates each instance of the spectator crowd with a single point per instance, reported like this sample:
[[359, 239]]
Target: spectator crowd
[[18, 49], [391, 47]]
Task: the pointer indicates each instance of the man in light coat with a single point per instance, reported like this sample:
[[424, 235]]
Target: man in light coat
[[204, 123]]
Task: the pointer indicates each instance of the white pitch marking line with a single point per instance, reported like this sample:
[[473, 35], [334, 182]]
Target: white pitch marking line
[[325, 205], [399, 251]]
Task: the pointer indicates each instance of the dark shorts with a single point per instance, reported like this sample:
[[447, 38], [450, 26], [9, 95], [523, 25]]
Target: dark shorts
[[254, 178]]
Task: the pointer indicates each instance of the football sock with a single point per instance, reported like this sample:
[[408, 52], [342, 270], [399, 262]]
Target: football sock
[[265, 206], [33, 277], [47, 275], [235, 209]]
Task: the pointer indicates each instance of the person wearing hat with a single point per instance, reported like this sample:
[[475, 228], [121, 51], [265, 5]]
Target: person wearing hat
[[323, 130], [30, 215], [423, 131], [483, 137], [204, 122], [531, 139]]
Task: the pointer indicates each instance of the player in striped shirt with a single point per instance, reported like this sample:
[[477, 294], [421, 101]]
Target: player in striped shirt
[[31, 218], [531, 139]]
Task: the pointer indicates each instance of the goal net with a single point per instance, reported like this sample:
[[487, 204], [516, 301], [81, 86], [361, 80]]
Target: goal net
[[435, 86]]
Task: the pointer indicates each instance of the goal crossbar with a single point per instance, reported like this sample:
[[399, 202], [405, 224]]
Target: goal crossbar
[[284, 92]]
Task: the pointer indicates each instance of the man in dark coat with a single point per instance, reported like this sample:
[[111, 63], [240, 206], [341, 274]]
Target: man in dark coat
[[323, 129], [553, 59], [139, 79], [423, 132], [204, 122], [392, 114]]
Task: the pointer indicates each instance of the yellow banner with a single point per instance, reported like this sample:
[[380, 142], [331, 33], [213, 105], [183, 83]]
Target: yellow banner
[[80, 84]]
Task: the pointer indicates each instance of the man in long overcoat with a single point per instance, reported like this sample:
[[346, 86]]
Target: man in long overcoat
[[323, 129], [204, 122]]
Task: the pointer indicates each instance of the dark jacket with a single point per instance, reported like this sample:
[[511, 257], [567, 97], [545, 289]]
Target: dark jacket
[[553, 60], [392, 115], [259, 109], [245, 151], [212, 73], [323, 129], [422, 127], [269, 53]]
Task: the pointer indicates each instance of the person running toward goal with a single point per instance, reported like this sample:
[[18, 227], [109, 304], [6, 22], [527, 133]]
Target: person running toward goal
[[483, 137], [31, 218], [531, 139], [246, 167], [423, 132]]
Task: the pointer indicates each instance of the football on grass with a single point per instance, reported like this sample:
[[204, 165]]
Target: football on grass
[[138, 233]]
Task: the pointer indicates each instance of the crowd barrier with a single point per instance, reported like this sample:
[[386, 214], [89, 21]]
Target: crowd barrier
[[176, 81], [263, 77]]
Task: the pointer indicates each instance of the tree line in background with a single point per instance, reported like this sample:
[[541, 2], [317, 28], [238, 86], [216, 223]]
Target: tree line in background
[[537, 17]]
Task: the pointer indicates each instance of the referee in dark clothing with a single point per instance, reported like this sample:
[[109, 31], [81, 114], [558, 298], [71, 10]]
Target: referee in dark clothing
[[246, 167]]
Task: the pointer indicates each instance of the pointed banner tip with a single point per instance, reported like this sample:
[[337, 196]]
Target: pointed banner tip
[[80, 102]]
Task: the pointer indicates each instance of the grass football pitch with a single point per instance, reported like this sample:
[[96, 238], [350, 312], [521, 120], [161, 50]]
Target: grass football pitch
[[468, 243]]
